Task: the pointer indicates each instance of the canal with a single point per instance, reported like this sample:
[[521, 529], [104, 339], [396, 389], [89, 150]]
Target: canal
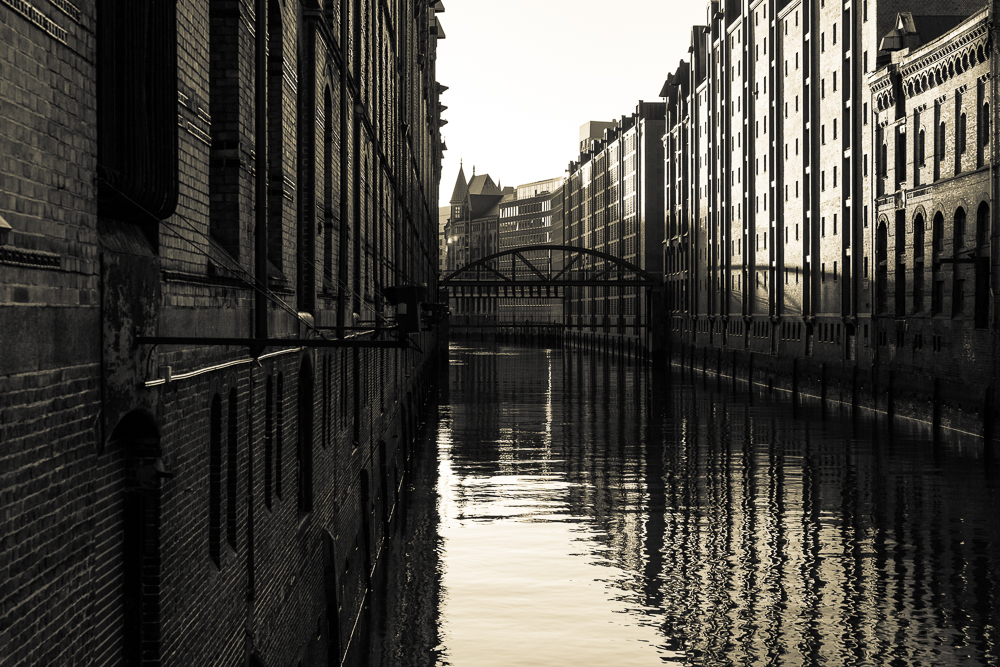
[[570, 509]]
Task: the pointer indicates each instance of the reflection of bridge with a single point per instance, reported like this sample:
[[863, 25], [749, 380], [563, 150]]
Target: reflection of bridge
[[555, 287]]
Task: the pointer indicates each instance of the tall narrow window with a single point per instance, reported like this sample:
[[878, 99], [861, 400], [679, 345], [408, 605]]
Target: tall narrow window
[[279, 433], [881, 268], [329, 218], [275, 134], [215, 482], [232, 488], [962, 128], [136, 116], [918, 263], [224, 167], [303, 451], [982, 266], [268, 441], [937, 277]]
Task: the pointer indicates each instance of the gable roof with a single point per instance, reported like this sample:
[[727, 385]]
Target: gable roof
[[483, 185]]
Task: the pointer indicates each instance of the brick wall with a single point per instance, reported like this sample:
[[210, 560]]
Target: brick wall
[[106, 443]]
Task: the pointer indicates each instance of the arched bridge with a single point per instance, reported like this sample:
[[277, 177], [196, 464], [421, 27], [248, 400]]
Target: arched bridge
[[521, 271]]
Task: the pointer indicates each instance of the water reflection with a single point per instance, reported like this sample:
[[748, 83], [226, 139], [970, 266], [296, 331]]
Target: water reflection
[[586, 511]]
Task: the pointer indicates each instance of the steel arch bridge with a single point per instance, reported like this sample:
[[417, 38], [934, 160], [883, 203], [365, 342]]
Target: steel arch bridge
[[512, 273]]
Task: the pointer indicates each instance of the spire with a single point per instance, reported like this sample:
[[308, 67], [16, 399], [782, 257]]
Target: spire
[[461, 190]]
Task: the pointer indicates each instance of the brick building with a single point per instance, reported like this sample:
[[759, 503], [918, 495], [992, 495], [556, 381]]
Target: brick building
[[613, 202], [529, 216], [471, 234], [933, 264], [177, 177], [772, 201]]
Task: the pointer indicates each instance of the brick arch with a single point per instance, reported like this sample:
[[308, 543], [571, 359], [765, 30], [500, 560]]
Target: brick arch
[[939, 207], [919, 210]]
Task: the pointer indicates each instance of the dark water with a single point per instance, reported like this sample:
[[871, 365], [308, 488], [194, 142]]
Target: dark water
[[581, 511]]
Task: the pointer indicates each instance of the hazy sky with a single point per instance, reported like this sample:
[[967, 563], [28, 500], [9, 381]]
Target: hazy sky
[[524, 75]]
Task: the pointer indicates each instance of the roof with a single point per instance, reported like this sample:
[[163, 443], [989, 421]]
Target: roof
[[483, 185], [461, 190], [910, 31]]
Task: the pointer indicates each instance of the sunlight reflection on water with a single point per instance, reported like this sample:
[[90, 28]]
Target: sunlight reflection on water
[[588, 512]]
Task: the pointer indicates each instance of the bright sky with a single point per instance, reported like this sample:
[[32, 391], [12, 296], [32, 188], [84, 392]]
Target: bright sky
[[524, 75]]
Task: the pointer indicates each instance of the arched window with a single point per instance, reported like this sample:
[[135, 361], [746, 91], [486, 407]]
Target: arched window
[[920, 146], [900, 276], [918, 263], [958, 271], [303, 450], [937, 276], [881, 268]]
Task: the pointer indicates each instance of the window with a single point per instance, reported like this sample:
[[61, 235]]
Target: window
[[215, 482], [961, 134], [268, 441], [275, 133], [304, 447], [137, 167], [232, 487], [279, 433]]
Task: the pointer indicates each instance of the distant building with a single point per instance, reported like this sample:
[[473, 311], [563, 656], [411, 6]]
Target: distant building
[[613, 202], [532, 215], [471, 233], [593, 130], [444, 212]]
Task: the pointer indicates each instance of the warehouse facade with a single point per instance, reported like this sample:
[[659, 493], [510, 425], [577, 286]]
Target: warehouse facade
[[776, 187]]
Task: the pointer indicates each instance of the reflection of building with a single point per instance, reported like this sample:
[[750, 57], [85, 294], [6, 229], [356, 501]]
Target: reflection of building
[[243, 176], [613, 202], [471, 233], [532, 215]]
